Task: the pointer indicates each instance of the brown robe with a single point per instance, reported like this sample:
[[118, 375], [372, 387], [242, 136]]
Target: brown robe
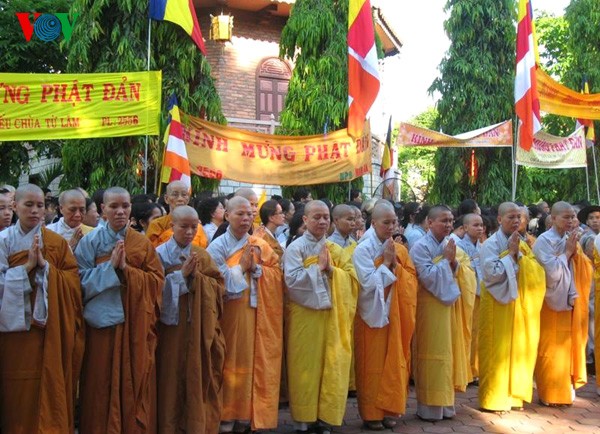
[[39, 368], [118, 381], [190, 356]]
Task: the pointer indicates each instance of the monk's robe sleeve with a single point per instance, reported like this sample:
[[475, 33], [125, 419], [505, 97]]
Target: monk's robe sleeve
[[559, 278], [499, 273], [373, 307], [310, 280], [235, 281], [175, 287], [436, 276]]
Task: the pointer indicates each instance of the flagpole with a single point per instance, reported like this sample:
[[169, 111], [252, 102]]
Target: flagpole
[[146, 141], [596, 172], [513, 162], [587, 177]]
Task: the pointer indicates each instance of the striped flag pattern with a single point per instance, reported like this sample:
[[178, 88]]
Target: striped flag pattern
[[180, 12], [363, 77], [176, 166], [527, 103]]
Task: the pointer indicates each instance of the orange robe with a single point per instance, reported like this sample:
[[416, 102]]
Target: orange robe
[[382, 355], [160, 230], [39, 368], [118, 381], [254, 340], [191, 354]]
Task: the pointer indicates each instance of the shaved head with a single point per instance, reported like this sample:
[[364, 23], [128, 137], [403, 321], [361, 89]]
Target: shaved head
[[115, 191], [437, 211], [560, 207], [175, 185], [314, 205], [235, 202], [471, 218], [183, 212], [27, 188], [341, 210], [67, 195], [506, 207], [382, 209], [246, 192]]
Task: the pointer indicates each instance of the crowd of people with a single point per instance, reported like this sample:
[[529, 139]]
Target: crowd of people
[[145, 314]]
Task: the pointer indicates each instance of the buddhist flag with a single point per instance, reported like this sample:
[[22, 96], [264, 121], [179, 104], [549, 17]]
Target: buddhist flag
[[386, 157], [527, 103], [176, 166], [182, 13], [590, 134], [363, 77]]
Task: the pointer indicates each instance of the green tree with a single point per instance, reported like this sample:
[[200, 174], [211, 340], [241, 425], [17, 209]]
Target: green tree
[[111, 36], [476, 87], [35, 56], [314, 38]]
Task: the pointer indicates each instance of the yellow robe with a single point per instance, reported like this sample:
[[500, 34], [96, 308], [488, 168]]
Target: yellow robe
[[443, 339], [319, 347], [160, 231], [597, 315], [383, 354], [508, 338], [563, 337]]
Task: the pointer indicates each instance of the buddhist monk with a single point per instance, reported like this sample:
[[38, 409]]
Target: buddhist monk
[[445, 300], [160, 229], [121, 280], [41, 323], [560, 367], [322, 291], [191, 345], [72, 206], [252, 323], [385, 322], [470, 243], [344, 220], [6, 209], [512, 293]]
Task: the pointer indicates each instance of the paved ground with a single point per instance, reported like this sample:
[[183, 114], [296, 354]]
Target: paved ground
[[582, 417]]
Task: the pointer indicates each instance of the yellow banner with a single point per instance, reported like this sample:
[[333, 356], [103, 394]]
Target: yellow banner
[[217, 151], [492, 136], [560, 100], [552, 152], [76, 106]]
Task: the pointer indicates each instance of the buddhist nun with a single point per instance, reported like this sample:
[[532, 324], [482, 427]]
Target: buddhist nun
[[121, 280], [6, 209], [512, 293], [41, 323], [445, 300], [470, 243], [160, 229], [385, 322], [71, 204], [252, 323], [560, 367], [322, 291], [191, 345]]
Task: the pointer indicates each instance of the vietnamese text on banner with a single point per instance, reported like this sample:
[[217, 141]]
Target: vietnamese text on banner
[[217, 151], [76, 106], [491, 136], [552, 152]]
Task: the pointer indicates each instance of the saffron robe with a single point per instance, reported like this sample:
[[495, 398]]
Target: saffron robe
[[596, 264], [560, 366], [383, 329], [160, 230], [118, 381], [512, 295], [321, 311], [444, 318], [40, 362], [253, 327]]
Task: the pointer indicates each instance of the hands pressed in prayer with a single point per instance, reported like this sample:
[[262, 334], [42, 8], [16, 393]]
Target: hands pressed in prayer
[[571, 244], [189, 265], [247, 262], [75, 238], [513, 245], [389, 255], [450, 253], [117, 257], [325, 260], [34, 256]]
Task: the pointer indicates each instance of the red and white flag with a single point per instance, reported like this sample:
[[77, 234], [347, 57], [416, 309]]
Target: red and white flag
[[527, 103], [363, 76], [176, 166]]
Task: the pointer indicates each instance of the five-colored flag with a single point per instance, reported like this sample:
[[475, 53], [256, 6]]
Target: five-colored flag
[[527, 104], [176, 166], [182, 13], [363, 77]]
